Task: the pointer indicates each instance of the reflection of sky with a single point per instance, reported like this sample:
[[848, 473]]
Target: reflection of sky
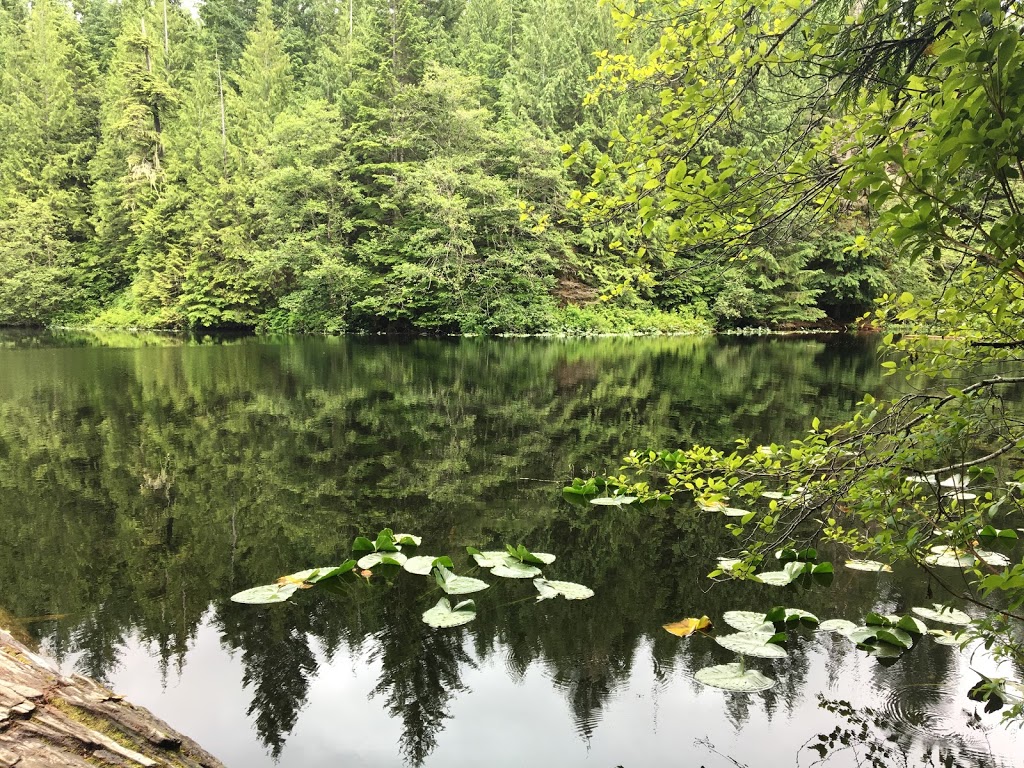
[[667, 721]]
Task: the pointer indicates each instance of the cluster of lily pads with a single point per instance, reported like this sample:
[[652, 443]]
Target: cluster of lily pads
[[762, 635], [796, 564], [387, 550]]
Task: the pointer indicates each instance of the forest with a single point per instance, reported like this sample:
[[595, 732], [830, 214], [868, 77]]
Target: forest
[[376, 166]]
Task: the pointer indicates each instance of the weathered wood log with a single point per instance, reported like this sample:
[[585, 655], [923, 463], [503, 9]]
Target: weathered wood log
[[48, 720]]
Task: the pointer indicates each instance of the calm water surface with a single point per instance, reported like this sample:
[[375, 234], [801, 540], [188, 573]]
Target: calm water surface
[[146, 479]]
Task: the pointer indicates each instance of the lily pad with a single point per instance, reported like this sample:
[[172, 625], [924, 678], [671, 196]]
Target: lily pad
[[444, 615], [993, 558], [366, 562], [842, 626], [940, 613], [523, 555], [948, 557], [457, 585], [515, 570], [912, 625], [734, 511], [781, 615], [408, 539], [613, 501], [734, 677], [728, 563], [748, 621], [752, 644], [863, 635], [787, 575], [868, 565], [421, 565], [491, 559], [567, 589], [895, 636], [266, 594], [945, 637]]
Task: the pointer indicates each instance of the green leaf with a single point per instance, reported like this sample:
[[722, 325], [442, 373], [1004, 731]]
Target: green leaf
[[943, 614], [329, 571], [613, 501], [492, 559], [362, 544], [366, 562], [421, 565], [752, 644], [408, 539], [457, 585], [748, 621], [734, 677], [567, 589], [515, 570], [444, 615], [266, 594], [842, 626], [868, 565]]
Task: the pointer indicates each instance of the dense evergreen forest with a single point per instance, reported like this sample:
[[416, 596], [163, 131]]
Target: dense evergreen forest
[[376, 165]]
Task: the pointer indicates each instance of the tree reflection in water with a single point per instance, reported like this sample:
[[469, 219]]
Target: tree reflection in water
[[164, 478]]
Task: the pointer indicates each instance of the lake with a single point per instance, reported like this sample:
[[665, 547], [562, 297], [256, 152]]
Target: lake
[[145, 479]]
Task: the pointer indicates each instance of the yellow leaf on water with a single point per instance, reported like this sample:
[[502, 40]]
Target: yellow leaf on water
[[687, 627]]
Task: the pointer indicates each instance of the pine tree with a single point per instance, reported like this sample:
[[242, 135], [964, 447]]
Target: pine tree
[[47, 114]]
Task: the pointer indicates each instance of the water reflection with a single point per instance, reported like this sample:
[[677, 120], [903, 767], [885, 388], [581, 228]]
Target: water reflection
[[143, 484]]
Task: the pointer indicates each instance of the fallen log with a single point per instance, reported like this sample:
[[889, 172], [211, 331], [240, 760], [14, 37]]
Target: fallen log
[[49, 720]]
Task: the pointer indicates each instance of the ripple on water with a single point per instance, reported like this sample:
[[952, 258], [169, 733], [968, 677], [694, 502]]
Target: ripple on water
[[934, 720]]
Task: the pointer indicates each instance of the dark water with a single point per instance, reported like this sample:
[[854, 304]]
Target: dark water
[[146, 479]]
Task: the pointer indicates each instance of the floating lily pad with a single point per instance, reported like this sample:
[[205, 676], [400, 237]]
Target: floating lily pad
[[752, 644], [945, 637], [912, 625], [491, 559], [862, 635], [567, 589], [895, 636], [993, 558], [923, 479], [775, 495], [868, 565], [421, 565], [366, 562], [266, 594], [787, 575], [748, 621], [956, 481], [734, 511], [515, 570], [781, 615], [842, 626], [613, 501], [885, 651], [733, 677], [408, 539], [523, 555], [444, 615], [948, 557], [940, 613], [457, 585], [728, 563]]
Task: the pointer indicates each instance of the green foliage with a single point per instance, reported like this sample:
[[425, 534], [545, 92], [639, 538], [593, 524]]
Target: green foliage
[[392, 165], [912, 112]]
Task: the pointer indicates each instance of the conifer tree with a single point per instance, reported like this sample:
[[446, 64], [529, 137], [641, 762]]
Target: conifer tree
[[47, 113]]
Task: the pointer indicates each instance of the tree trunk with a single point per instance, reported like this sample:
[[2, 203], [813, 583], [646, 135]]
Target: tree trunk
[[51, 721]]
